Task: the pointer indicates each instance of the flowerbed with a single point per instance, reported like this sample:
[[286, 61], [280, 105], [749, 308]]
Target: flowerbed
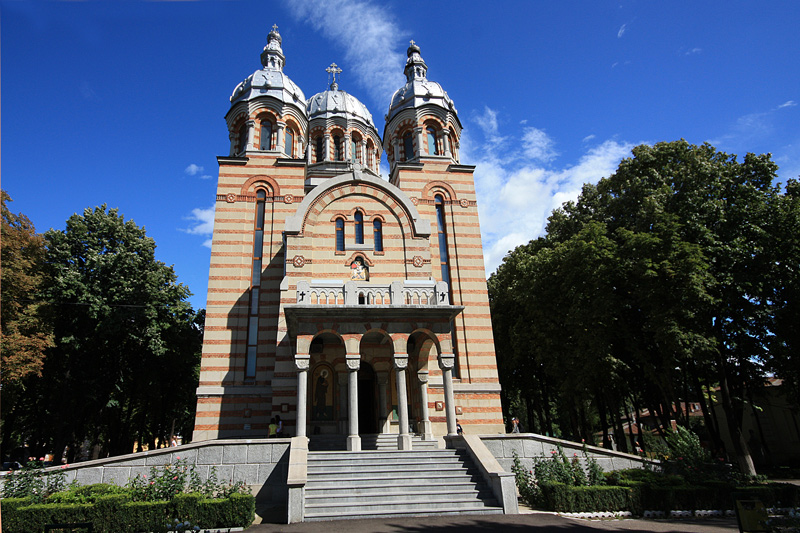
[[170, 498]]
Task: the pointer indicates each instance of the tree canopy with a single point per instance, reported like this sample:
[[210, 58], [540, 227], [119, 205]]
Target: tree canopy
[[125, 358], [675, 274]]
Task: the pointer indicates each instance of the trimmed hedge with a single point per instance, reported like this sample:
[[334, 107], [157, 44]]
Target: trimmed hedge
[[115, 512], [569, 499], [640, 496]]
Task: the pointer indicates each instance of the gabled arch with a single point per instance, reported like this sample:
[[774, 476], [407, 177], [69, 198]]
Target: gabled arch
[[251, 184], [442, 187]]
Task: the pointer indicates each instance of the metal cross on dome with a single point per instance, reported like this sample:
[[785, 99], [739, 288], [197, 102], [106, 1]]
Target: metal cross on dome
[[334, 70]]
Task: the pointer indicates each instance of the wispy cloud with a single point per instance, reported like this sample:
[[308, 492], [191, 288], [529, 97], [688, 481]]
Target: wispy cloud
[[621, 31], [87, 92], [750, 127], [693, 51], [518, 189], [588, 138], [788, 103], [194, 170], [366, 32], [202, 223]]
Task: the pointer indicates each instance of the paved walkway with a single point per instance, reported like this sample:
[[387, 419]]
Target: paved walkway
[[540, 522]]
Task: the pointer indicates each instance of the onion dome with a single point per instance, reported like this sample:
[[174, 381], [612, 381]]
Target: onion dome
[[335, 103], [270, 81], [418, 90]]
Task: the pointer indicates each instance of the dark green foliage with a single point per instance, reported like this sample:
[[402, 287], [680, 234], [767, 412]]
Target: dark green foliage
[[32, 482], [111, 514], [127, 343], [570, 499], [676, 273]]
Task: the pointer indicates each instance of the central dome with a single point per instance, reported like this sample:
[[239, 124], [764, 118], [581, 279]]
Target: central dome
[[335, 103]]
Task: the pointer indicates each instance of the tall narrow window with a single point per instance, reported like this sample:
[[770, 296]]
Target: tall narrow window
[[353, 157], [289, 142], [432, 148], [444, 258], [408, 146], [320, 152], [255, 286], [377, 233], [339, 235], [359, 217], [337, 148], [242, 138], [266, 136]]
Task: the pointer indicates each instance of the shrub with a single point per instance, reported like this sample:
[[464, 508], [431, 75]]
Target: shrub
[[32, 482], [565, 498]]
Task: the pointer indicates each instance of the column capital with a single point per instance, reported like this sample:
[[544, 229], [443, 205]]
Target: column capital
[[250, 122], [447, 361], [353, 364], [400, 361], [422, 375], [302, 363]]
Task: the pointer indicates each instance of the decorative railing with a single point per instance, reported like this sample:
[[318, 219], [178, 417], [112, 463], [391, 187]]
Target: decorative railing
[[407, 292]]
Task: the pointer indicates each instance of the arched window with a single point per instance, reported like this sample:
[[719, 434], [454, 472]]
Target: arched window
[[337, 148], [377, 233], [255, 286], [444, 259], [433, 149], [320, 152], [266, 136], [339, 235], [289, 142], [242, 138], [408, 146], [353, 151], [359, 217]]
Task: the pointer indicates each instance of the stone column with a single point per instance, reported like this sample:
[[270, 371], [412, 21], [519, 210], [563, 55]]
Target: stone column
[[302, 393], [446, 363], [418, 134], [346, 148], [397, 150], [364, 157], [400, 365], [281, 144], [383, 381], [343, 405], [353, 439], [232, 136], [251, 132], [426, 430], [326, 147], [446, 142]]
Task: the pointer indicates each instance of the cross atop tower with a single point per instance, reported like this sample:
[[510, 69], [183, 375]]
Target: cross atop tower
[[274, 27], [334, 70]]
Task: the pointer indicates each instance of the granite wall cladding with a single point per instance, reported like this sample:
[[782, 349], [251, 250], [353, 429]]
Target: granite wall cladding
[[261, 463], [530, 446]]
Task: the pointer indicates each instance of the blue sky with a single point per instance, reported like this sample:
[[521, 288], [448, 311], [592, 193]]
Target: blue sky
[[122, 102]]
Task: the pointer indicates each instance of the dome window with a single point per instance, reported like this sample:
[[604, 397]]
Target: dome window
[[289, 142], [408, 146], [433, 149], [337, 148], [243, 138], [266, 135], [320, 154]]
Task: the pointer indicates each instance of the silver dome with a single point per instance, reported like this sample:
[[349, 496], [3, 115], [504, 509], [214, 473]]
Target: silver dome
[[418, 90], [335, 103]]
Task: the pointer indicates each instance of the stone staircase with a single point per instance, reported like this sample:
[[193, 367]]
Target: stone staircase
[[382, 484], [383, 441]]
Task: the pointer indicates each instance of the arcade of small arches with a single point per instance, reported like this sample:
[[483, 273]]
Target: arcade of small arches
[[365, 383], [268, 134], [430, 138]]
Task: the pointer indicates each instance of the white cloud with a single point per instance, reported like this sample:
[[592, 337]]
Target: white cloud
[[537, 145], [367, 34], [517, 192], [193, 170], [621, 31], [693, 51], [202, 223], [788, 103], [588, 138]]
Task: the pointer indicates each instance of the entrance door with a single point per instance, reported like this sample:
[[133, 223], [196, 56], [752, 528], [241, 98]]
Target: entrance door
[[367, 400]]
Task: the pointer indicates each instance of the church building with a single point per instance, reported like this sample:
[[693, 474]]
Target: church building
[[347, 303]]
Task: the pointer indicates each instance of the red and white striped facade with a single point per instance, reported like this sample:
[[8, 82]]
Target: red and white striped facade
[[344, 302]]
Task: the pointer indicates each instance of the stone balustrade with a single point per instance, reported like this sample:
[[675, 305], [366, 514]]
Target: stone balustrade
[[352, 293]]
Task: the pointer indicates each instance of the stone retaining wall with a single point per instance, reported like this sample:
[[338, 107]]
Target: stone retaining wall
[[530, 446], [262, 464]]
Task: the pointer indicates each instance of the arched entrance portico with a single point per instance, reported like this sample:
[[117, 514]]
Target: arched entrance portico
[[364, 351]]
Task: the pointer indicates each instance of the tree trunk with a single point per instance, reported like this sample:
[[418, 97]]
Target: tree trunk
[[741, 450]]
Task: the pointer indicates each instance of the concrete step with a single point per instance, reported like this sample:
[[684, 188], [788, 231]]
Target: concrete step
[[377, 496], [414, 512], [398, 484], [399, 508]]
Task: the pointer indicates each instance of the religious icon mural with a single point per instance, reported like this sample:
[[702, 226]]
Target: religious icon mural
[[322, 401], [358, 270]]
